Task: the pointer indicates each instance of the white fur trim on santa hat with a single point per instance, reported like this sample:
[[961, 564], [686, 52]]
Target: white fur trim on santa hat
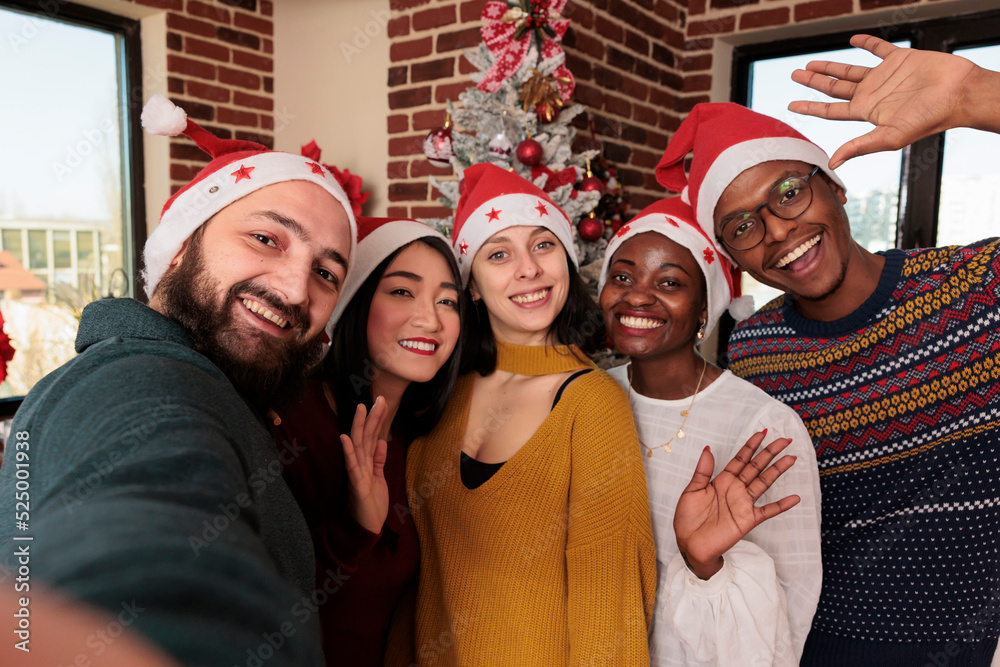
[[742, 156], [372, 251], [515, 210], [163, 117], [196, 205], [680, 231]]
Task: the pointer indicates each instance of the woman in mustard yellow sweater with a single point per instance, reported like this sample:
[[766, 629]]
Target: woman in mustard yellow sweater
[[529, 497]]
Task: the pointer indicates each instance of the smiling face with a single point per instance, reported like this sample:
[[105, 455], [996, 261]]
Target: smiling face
[[654, 298], [413, 320], [522, 275], [256, 284], [807, 256]]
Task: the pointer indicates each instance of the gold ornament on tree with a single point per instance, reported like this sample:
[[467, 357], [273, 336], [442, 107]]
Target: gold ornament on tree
[[541, 93]]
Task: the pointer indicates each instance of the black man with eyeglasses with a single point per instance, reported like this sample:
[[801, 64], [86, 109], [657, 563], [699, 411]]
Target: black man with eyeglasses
[[892, 359]]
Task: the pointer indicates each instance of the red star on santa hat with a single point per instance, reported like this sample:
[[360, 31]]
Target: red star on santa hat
[[493, 215], [241, 173], [672, 221], [317, 169], [709, 256], [463, 247], [541, 209], [622, 231]]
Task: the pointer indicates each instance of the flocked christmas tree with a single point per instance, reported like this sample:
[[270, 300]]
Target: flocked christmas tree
[[517, 117]]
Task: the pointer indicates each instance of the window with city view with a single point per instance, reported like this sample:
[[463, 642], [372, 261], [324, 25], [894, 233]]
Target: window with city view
[[66, 229]]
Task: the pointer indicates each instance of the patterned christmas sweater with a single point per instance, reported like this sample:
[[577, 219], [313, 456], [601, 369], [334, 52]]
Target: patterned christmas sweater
[[901, 399]]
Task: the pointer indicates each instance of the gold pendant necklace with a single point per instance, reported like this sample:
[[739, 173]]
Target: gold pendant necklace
[[684, 413]]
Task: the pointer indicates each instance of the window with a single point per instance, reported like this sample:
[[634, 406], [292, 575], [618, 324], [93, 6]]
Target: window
[[12, 243], [71, 183], [945, 189], [38, 250], [969, 208], [61, 251]]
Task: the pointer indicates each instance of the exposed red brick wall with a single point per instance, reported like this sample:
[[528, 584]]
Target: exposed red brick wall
[[220, 67], [640, 66], [427, 69], [628, 58]]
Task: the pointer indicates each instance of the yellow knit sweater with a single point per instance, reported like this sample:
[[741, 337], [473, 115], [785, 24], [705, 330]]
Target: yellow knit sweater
[[551, 561]]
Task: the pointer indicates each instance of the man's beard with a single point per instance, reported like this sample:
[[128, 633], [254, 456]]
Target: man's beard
[[265, 370]]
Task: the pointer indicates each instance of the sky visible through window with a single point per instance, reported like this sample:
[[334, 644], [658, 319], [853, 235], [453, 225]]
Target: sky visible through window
[[970, 179], [60, 118]]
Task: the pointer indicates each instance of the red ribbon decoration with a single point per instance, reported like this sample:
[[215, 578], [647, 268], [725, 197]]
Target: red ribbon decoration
[[510, 30], [555, 180]]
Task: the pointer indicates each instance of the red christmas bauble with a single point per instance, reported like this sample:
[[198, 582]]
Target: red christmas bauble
[[529, 152], [590, 229], [438, 147], [546, 114], [592, 184]]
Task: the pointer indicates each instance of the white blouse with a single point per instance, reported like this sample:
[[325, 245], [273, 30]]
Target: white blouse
[[757, 610]]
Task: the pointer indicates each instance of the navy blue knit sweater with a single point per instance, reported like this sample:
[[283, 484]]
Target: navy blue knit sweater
[[902, 399]]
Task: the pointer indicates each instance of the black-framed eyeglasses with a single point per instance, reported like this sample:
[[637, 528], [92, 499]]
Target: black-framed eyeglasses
[[789, 199]]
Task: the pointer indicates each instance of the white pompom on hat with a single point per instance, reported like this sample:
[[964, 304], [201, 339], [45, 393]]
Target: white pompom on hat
[[237, 169], [674, 219], [494, 199], [726, 140], [377, 239]]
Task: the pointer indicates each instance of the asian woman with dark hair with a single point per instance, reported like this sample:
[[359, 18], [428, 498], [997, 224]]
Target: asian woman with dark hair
[[386, 380]]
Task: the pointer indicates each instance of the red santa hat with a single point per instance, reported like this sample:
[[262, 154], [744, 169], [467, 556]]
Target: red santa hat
[[727, 139], [494, 199], [674, 219], [237, 169], [377, 239]]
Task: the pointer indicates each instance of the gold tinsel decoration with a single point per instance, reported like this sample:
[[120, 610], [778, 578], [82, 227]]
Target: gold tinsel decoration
[[541, 91]]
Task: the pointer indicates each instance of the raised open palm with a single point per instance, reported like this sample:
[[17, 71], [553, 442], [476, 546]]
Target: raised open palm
[[911, 94], [714, 514], [364, 453]]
